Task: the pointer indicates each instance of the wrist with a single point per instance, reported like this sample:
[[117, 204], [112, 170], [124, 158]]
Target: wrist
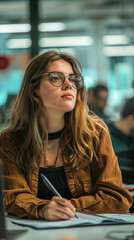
[[41, 212]]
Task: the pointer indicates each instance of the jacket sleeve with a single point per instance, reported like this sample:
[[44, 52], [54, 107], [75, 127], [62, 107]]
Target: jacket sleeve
[[19, 200], [108, 194]]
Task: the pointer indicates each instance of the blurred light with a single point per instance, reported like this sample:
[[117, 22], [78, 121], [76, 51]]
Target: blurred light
[[51, 27], [66, 41], [43, 27], [115, 39], [19, 43], [119, 51], [14, 28]]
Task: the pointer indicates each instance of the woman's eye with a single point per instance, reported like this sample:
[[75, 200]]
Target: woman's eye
[[54, 78]]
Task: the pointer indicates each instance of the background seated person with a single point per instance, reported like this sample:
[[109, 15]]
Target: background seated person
[[97, 100], [122, 135], [50, 132]]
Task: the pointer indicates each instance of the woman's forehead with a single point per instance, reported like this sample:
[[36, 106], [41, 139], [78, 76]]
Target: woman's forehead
[[60, 64]]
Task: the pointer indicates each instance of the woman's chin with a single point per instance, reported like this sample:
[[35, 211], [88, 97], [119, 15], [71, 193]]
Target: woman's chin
[[68, 108]]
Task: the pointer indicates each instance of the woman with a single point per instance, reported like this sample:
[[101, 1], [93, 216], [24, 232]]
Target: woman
[[51, 133]]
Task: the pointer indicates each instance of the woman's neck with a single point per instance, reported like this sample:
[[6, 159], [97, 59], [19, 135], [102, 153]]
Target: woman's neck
[[55, 135], [55, 124]]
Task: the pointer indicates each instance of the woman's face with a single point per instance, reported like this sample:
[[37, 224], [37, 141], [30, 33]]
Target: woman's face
[[62, 98]]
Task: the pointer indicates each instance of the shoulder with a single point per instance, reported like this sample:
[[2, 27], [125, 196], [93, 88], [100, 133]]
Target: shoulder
[[98, 124], [99, 133]]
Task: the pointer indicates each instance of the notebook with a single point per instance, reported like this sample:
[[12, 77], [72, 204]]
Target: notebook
[[84, 219], [6, 234]]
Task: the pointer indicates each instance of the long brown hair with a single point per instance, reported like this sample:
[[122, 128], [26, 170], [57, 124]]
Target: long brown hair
[[28, 115]]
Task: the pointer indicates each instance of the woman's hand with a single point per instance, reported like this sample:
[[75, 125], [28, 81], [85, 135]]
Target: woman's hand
[[57, 209]]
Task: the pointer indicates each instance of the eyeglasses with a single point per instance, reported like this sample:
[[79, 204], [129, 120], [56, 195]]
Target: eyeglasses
[[57, 79]]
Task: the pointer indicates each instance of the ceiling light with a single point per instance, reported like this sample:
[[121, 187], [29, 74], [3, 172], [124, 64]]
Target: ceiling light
[[19, 43], [119, 51], [14, 28], [51, 27], [43, 27], [115, 39], [66, 41]]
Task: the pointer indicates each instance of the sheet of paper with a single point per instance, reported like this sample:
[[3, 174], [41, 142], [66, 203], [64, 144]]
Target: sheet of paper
[[42, 224], [83, 220], [124, 217]]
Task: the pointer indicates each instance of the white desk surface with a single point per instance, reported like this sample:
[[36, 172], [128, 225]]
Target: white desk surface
[[79, 233]]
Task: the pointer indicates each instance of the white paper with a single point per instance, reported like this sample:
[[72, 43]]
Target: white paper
[[124, 217], [82, 220], [42, 224]]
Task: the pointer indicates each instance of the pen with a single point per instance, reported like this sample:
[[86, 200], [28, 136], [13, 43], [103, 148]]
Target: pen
[[51, 187]]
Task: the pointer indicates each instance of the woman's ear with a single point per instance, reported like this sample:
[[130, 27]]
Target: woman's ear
[[37, 90]]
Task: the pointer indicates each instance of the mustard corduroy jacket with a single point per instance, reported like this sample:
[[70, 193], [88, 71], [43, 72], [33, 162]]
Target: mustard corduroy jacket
[[97, 189]]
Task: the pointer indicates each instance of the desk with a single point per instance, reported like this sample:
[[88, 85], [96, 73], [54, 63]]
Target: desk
[[80, 233]]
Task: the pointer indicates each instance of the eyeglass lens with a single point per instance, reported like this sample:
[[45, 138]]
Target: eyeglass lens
[[57, 79]]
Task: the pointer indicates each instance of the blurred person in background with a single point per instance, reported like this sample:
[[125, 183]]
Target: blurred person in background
[[97, 100], [122, 135]]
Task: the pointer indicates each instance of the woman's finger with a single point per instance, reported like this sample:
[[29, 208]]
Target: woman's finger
[[64, 202], [58, 210]]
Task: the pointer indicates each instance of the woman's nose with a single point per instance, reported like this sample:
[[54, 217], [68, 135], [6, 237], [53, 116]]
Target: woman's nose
[[67, 84]]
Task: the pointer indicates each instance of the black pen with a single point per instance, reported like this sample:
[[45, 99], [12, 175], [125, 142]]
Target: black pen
[[52, 188]]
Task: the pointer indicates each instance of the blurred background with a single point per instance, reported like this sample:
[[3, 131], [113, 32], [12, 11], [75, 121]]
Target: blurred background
[[99, 33]]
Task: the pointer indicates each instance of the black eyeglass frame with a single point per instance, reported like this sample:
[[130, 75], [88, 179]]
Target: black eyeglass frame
[[64, 78]]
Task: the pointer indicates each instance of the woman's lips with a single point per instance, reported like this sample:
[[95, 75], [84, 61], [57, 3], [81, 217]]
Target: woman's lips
[[68, 96]]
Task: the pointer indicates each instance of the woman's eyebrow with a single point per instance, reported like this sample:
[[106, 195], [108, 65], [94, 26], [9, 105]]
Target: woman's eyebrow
[[70, 74]]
